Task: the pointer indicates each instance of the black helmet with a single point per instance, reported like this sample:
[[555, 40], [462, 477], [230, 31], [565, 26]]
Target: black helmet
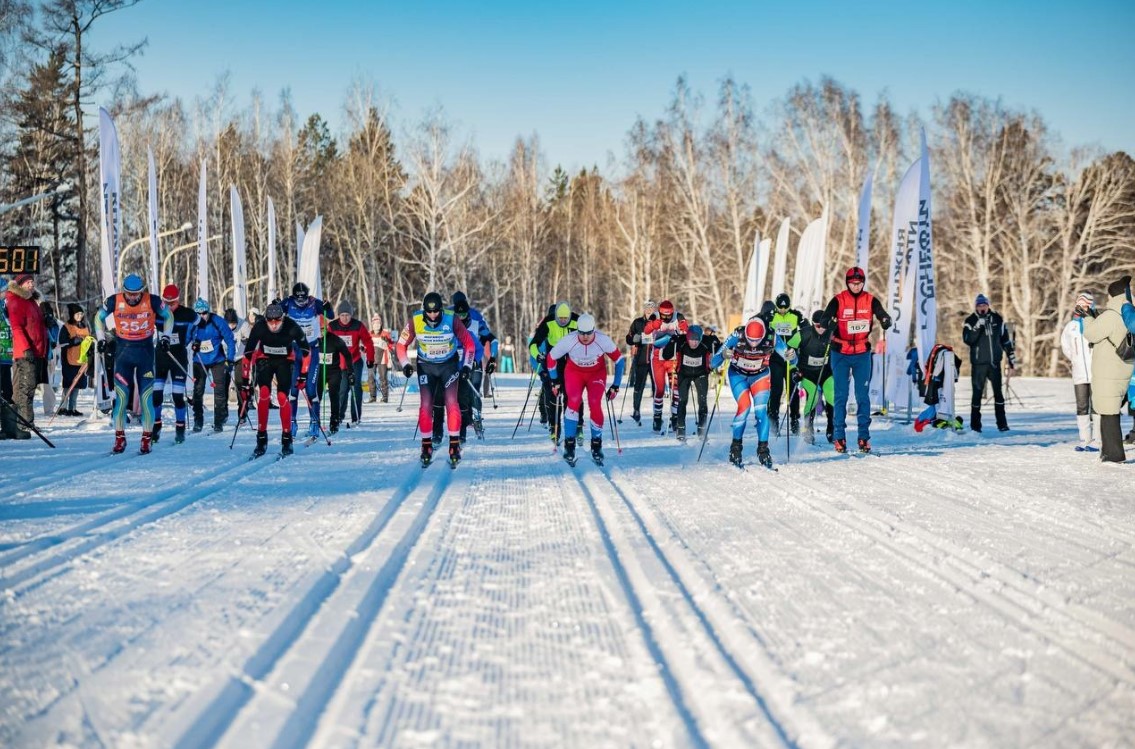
[[432, 302], [460, 303], [274, 312], [230, 316], [783, 301], [301, 291]]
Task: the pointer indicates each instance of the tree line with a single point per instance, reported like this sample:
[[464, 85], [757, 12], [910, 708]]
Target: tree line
[[411, 207]]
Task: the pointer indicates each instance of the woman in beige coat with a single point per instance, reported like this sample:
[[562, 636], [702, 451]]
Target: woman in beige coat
[[1110, 374]]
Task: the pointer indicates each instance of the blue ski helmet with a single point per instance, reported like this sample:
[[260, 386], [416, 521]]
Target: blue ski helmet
[[133, 283]]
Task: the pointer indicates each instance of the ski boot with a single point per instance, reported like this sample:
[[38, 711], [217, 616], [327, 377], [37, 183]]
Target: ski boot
[[144, 445], [680, 433], [261, 444], [864, 446], [286, 443], [673, 423], [597, 450], [157, 433], [427, 451], [569, 451], [636, 417], [657, 425], [794, 425], [119, 442], [735, 449], [830, 431], [198, 425], [178, 432], [810, 429], [774, 424], [334, 427], [479, 428], [218, 428], [840, 445], [763, 455], [454, 451]]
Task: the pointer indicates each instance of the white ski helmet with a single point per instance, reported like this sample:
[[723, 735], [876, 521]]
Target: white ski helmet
[[585, 324]]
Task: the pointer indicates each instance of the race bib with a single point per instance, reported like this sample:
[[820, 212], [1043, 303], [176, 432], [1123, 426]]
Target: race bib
[[816, 361], [327, 357], [308, 327], [276, 350], [437, 350], [346, 339], [206, 347], [858, 326], [174, 339], [692, 361], [783, 329], [647, 339]]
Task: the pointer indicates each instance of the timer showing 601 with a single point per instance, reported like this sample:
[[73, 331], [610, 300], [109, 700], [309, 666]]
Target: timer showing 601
[[16, 259]]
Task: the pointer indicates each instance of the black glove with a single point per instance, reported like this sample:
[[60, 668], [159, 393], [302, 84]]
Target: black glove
[[466, 370], [163, 343], [229, 369], [491, 366], [370, 365], [796, 377], [327, 309], [196, 346], [540, 360], [350, 379], [407, 370], [885, 323], [105, 346], [545, 377]]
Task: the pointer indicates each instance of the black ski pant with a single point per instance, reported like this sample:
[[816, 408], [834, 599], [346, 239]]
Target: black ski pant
[[640, 376], [220, 373], [980, 374], [166, 369], [701, 387], [778, 370], [551, 407]]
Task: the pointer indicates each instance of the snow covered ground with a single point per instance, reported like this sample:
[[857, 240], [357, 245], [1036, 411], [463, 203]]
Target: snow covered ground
[[956, 590]]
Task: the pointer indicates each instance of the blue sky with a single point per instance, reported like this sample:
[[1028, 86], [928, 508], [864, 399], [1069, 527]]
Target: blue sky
[[579, 73]]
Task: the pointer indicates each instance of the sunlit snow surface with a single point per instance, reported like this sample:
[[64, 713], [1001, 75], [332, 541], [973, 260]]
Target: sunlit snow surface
[[955, 590]]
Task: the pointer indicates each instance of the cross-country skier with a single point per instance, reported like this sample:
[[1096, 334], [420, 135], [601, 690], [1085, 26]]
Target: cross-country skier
[[445, 354], [668, 323], [310, 314], [270, 354], [469, 398], [585, 370], [173, 365], [751, 345], [356, 337], [559, 322], [813, 372], [136, 316], [691, 355], [214, 350], [642, 345], [850, 314], [785, 322]]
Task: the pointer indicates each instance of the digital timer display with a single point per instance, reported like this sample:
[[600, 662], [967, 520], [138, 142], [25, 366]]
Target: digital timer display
[[16, 259]]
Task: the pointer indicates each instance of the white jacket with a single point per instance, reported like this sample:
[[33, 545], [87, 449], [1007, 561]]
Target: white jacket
[[1077, 351]]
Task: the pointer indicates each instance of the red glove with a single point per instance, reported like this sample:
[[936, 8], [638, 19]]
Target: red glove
[[556, 390]]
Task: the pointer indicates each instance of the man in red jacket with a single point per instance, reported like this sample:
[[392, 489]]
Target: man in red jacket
[[356, 338], [29, 346]]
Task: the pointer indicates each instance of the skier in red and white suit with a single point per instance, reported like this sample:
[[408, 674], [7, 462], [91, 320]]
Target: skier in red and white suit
[[584, 349], [658, 333]]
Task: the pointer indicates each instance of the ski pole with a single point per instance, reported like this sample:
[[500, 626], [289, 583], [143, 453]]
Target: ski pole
[[243, 411], [5, 403], [789, 389], [705, 435], [630, 384], [403, 398], [614, 428], [309, 407], [67, 395], [556, 433], [531, 381]]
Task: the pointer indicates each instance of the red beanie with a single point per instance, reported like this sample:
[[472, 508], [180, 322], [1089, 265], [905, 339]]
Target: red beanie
[[170, 293]]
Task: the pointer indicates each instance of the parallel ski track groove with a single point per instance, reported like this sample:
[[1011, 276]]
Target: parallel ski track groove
[[215, 718], [969, 575], [708, 622], [136, 510]]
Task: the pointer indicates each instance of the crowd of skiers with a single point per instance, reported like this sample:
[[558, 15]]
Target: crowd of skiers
[[150, 344]]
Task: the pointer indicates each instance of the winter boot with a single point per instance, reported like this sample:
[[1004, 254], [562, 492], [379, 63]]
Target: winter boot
[[975, 420], [286, 443], [218, 428], [261, 444], [198, 424], [840, 445], [179, 432], [119, 442], [657, 426], [597, 450], [999, 413], [864, 445], [794, 425], [569, 450], [1130, 438], [735, 449], [334, 427], [680, 433], [427, 451], [454, 450], [157, 433], [763, 454], [144, 445]]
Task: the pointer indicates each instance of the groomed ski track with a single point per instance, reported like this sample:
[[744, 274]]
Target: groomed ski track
[[957, 590]]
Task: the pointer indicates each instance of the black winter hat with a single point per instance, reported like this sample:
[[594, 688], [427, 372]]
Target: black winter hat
[[1119, 288], [73, 309]]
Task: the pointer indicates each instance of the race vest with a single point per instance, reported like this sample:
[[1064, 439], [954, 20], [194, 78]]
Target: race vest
[[853, 321], [436, 344], [135, 323]]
